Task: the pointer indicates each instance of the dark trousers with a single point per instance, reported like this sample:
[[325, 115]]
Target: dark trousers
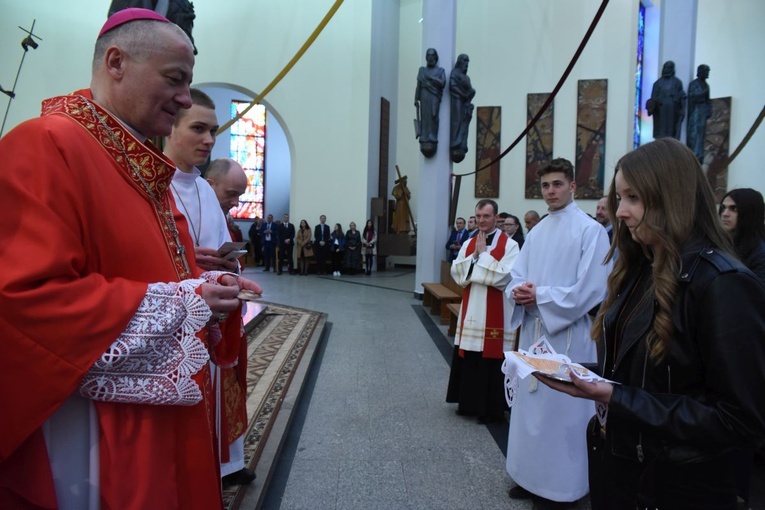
[[269, 258], [337, 260], [285, 256], [321, 257]]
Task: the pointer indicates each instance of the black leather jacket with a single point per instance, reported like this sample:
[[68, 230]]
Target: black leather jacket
[[708, 394]]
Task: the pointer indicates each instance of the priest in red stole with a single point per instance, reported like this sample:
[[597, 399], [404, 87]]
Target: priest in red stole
[[482, 268], [105, 387]]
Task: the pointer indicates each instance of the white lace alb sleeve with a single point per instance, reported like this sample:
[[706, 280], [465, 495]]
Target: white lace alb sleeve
[[152, 361]]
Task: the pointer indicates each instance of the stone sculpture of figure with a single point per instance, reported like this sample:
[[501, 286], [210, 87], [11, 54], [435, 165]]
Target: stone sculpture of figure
[[402, 212], [431, 81], [180, 12], [699, 110], [667, 103], [461, 108]]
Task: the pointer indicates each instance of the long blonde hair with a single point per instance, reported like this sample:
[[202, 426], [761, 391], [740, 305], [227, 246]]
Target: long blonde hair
[[679, 203]]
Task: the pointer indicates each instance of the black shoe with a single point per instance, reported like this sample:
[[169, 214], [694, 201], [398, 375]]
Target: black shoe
[[242, 477], [519, 492], [546, 504]]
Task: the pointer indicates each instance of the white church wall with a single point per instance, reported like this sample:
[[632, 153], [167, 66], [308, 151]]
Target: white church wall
[[729, 39], [523, 47], [323, 101]]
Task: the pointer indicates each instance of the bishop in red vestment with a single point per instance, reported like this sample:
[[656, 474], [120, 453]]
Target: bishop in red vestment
[[96, 284]]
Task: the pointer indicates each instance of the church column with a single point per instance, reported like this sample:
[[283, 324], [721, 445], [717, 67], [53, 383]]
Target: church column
[[677, 41], [438, 31]]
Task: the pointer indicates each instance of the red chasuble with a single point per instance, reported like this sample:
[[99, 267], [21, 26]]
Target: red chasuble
[[81, 241]]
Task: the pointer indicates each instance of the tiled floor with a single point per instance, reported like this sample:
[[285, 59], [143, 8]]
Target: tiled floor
[[372, 430]]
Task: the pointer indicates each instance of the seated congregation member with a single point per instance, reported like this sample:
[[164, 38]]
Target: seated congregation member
[[304, 246], [337, 247], [482, 269], [743, 216], [681, 333], [559, 276], [369, 241], [458, 236], [85, 179], [352, 259]]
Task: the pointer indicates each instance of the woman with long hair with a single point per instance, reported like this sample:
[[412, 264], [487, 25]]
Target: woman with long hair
[[337, 247], [304, 248], [680, 333], [742, 212], [369, 241]]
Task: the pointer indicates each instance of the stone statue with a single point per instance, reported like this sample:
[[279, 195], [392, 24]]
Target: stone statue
[[431, 81], [180, 12], [667, 103], [699, 110], [461, 108], [402, 213]]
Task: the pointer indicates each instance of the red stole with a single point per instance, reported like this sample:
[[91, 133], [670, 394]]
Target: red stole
[[494, 332]]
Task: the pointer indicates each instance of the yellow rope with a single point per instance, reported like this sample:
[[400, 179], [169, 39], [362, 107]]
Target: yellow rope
[[287, 68]]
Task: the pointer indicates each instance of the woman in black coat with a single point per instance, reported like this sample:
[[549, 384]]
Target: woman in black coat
[[681, 332]]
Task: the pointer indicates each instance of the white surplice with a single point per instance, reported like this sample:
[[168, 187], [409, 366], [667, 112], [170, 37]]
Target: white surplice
[[563, 256], [487, 272], [208, 227]]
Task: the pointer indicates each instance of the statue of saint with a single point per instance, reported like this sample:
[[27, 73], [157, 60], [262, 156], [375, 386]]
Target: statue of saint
[[431, 81], [699, 110], [180, 12], [402, 213], [461, 108], [667, 103]]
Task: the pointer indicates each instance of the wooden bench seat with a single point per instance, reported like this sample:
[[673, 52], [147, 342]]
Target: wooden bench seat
[[454, 315], [436, 296]]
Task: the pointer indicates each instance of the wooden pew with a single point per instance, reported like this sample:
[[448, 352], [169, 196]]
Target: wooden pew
[[454, 312], [437, 296]]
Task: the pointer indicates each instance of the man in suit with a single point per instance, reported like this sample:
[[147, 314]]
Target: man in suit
[[269, 239], [601, 215], [321, 244], [471, 226], [459, 235], [286, 235]]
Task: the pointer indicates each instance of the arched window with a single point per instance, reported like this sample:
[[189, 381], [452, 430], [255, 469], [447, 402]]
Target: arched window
[[248, 148]]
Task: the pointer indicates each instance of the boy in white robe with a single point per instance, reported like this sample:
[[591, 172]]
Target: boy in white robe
[[558, 277]]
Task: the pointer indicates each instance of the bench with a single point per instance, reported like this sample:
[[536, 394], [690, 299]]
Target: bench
[[436, 297], [454, 312]]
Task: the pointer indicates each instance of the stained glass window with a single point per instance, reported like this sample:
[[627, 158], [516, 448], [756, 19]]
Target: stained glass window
[[639, 75], [248, 148]]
